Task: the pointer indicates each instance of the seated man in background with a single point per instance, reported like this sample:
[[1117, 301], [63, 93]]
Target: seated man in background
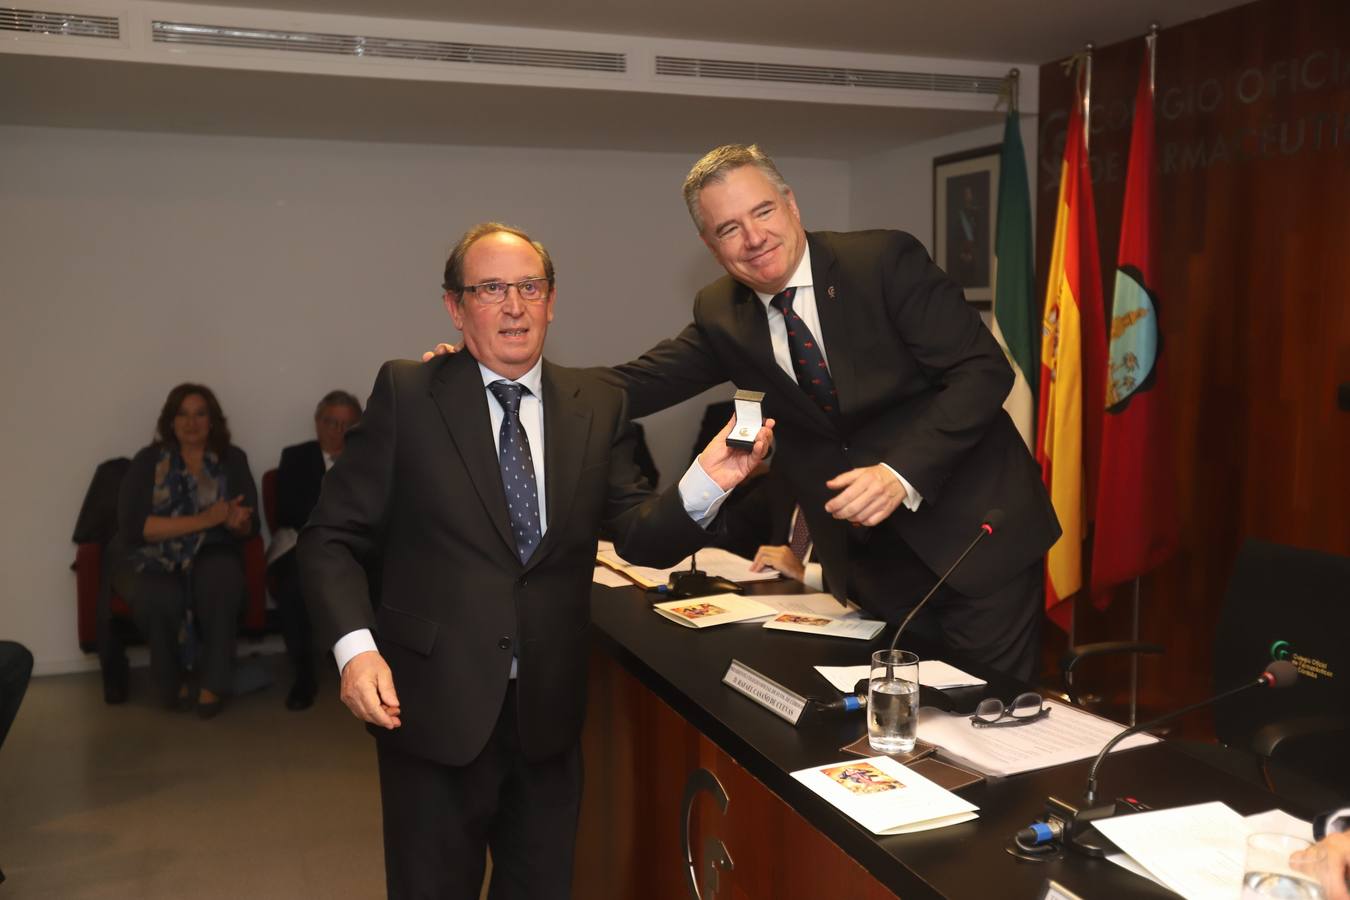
[[299, 478]]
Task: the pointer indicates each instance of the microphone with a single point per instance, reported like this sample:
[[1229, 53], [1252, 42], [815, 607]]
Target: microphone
[[858, 699], [992, 521], [1076, 822]]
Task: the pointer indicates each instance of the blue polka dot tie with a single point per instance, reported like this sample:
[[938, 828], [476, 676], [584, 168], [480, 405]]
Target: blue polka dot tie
[[513, 452], [807, 361]]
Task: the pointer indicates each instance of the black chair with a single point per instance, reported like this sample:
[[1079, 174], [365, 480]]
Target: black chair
[[1282, 603], [1288, 603]]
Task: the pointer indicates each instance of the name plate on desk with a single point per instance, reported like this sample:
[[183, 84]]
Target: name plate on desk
[[765, 691]]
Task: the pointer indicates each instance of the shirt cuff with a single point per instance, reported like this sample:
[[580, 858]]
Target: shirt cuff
[[912, 498], [814, 576], [352, 643], [701, 496]]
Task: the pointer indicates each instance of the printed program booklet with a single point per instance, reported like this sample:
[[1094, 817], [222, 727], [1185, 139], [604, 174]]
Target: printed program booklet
[[718, 609], [826, 626], [886, 797]]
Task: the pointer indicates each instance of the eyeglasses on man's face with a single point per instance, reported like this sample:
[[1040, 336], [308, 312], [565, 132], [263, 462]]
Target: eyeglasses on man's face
[[1025, 709], [490, 293]]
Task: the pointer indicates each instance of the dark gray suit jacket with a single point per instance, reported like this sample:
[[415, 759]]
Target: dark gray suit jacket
[[418, 483], [921, 384]]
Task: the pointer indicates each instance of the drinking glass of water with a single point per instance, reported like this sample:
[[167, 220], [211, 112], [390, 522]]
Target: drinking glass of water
[[1267, 874], [893, 701]]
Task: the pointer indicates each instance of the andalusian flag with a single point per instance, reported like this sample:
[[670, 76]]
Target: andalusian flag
[[1068, 431], [1136, 512], [1013, 282]]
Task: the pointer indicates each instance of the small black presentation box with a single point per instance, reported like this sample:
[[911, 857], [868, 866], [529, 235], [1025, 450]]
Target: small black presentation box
[[749, 419]]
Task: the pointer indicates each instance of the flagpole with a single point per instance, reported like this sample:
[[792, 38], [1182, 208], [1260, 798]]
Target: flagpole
[[1087, 95], [1086, 100], [1150, 44]]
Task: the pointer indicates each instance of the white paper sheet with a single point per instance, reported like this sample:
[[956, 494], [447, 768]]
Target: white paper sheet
[[1066, 735], [1161, 848], [1196, 851], [933, 673], [609, 578], [712, 560], [1280, 822], [810, 605]]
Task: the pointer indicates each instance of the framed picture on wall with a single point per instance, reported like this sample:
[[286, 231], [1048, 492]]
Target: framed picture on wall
[[965, 207]]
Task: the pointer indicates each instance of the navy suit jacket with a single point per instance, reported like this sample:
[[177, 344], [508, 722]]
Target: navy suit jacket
[[921, 383], [419, 485]]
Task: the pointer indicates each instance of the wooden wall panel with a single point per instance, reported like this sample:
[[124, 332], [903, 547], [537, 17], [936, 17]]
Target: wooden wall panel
[[1253, 239], [638, 754]]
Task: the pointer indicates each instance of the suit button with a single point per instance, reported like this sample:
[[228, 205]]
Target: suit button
[[523, 581], [504, 643]]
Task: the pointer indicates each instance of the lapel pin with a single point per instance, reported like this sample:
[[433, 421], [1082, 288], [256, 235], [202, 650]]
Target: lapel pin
[[829, 292]]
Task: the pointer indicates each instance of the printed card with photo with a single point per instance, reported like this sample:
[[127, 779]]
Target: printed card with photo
[[719, 609], [825, 626], [886, 797]]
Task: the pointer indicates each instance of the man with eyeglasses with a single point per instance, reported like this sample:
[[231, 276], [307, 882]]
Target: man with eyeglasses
[[299, 478], [888, 391], [482, 479]]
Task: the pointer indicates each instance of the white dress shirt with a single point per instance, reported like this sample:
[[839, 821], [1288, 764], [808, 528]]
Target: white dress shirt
[[701, 495], [804, 305]]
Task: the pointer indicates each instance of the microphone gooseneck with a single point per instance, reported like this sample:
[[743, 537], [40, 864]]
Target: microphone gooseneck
[[992, 520], [1278, 674]]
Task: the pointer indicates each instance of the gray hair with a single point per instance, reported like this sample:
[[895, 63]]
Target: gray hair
[[337, 398], [715, 165], [454, 265]]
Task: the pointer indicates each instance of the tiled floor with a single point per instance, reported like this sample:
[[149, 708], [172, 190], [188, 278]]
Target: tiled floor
[[132, 801]]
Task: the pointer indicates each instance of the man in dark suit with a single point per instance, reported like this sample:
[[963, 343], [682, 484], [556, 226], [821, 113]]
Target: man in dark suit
[[483, 478], [299, 478], [887, 389]]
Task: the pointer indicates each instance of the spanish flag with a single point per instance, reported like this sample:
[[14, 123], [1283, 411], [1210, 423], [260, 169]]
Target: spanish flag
[[1068, 431]]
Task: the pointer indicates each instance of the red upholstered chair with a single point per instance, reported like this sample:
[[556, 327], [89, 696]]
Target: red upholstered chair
[[89, 572], [269, 500]]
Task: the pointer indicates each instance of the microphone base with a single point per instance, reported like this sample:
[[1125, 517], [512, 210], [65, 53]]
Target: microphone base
[[1080, 833], [697, 583]]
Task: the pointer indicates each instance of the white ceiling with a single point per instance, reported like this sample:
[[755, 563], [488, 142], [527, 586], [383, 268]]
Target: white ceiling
[[1032, 30], [94, 93], [80, 93]]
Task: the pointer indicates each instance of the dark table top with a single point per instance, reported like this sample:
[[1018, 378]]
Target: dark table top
[[684, 666]]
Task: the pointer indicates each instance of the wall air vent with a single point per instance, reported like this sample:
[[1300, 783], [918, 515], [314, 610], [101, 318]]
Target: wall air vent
[[826, 76], [59, 24], [386, 48]]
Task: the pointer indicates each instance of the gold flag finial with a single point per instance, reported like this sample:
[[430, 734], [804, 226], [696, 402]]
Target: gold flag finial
[[1009, 90]]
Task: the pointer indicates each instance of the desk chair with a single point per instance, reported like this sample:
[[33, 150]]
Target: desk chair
[[1281, 603]]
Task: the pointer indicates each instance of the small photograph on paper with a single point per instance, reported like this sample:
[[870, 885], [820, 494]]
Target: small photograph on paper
[[697, 610], [810, 621], [862, 778]]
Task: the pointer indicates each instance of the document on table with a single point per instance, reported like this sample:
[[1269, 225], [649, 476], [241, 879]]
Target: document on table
[[609, 578], [933, 673], [1065, 735], [886, 797], [718, 609], [1197, 851], [850, 627], [810, 605], [712, 560]]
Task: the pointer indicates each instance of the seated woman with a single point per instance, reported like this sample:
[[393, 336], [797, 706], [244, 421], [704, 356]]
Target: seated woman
[[185, 510]]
